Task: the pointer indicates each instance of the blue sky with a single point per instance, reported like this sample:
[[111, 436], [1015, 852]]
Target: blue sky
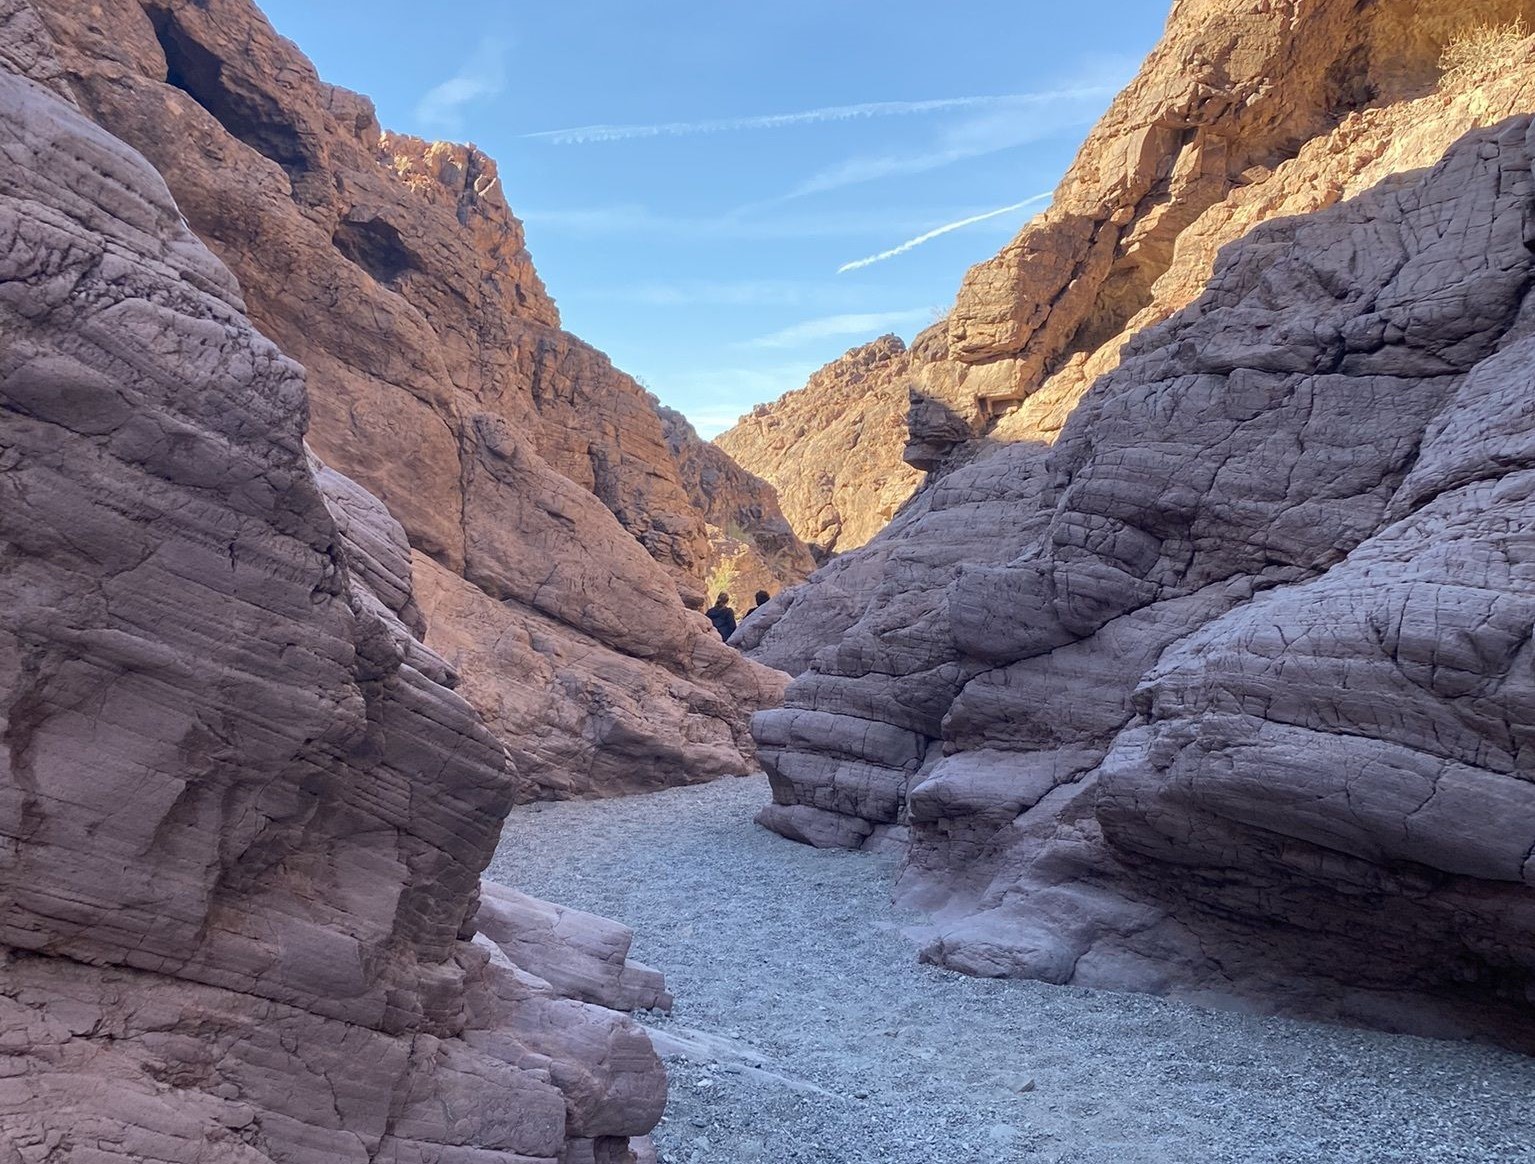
[[724, 197]]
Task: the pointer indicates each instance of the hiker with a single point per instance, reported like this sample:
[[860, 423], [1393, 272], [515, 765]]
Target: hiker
[[723, 618], [761, 600]]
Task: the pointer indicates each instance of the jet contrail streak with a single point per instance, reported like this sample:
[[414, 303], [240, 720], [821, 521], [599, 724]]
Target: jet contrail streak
[[913, 244], [583, 134]]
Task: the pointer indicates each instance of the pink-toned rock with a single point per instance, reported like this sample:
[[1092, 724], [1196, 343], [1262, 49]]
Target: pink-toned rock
[[579, 717], [242, 813], [517, 458], [582, 956], [832, 448]]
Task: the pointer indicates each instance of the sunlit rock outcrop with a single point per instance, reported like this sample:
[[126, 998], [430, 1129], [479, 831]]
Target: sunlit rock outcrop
[[752, 546], [827, 447]]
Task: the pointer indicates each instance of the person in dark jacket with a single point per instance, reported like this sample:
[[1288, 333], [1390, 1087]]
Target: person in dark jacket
[[762, 599], [723, 618]]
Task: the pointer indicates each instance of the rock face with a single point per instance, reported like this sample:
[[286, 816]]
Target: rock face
[[752, 546], [1243, 113], [1217, 680], [832, 448], [532, 478], [242, 812]]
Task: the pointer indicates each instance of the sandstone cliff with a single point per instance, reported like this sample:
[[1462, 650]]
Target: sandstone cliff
[[242, 812], [751, 545], [832, 449], [1216, 679], [552, 530]]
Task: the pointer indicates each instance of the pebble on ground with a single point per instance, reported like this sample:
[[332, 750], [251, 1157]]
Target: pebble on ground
[[805, 1030]]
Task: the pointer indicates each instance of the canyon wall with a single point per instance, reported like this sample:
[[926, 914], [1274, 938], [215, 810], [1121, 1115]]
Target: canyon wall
[[1183, 162], [1215, 679], [752, 546], [557, 550], [243, 813], [832, 449]]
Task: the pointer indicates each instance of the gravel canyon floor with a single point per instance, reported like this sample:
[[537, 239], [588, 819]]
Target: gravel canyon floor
[[805, 1029]]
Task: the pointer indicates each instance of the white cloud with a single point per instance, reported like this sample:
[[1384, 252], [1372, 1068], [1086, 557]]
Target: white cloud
[[585, 134], [750, 223], [441, 108], [731, 293], [947, 228], [827, 327], [1015, 122], [715, 398]]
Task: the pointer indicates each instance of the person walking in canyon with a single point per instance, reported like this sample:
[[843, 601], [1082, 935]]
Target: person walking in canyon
[[761, 599], [723, 618]]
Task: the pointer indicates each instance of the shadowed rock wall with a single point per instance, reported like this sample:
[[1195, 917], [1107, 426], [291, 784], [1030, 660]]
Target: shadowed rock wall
[[1214, 680]]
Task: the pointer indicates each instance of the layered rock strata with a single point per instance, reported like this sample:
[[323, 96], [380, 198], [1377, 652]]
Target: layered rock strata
[[1216, 681], [532, 478], [242, 812]]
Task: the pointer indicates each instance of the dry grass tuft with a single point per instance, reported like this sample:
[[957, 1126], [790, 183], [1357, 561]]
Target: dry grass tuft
[[1479, 54]]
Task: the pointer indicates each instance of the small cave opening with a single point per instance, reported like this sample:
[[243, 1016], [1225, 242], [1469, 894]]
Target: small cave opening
[[1349, 84], [376, 247], [254, 118]]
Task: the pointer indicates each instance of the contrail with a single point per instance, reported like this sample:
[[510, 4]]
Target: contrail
[[913, 244], [838, 325], [584, 134], [484, 75]]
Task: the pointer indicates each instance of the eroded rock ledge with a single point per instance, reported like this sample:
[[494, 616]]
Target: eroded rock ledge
[[242, 812]]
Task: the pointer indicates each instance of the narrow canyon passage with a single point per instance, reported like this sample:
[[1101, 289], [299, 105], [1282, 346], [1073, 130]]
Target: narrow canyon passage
[[806, 1031]]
